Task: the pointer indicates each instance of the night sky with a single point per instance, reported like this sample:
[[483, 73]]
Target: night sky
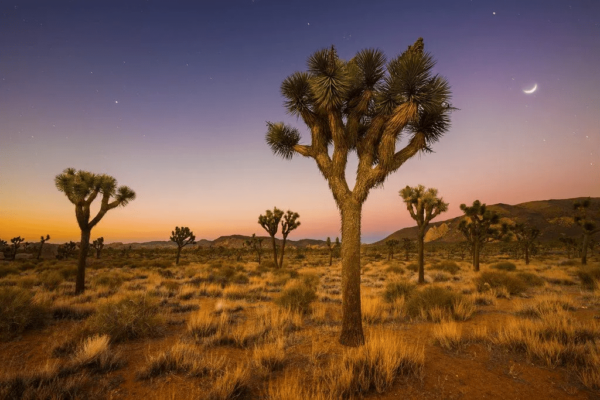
[[171, 98]]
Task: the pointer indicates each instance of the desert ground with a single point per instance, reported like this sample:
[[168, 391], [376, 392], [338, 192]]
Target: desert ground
[[216, 328]]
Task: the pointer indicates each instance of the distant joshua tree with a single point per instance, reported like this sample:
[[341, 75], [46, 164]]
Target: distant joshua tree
[[98, 245], [3, 244], [408, 245], [182, 236], [330, 248], [42, 241], [270, 223], [526, 236], [289, 223], [16, 243], [337, 247], [477, 228], [588, 220], [66, 250], [570, 245], [364, 105], [255, 244], [391, 244], [82, 188], [423, 206]]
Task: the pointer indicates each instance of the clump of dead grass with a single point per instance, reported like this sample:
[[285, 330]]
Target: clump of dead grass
[[183, 359]]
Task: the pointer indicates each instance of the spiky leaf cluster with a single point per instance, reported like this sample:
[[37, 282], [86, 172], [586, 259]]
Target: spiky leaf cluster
[[270, 221], [182, 236], [586, 217], [44, 239], [423, 204], [392, 243], [98, 244], [478, 223], [289, 223]]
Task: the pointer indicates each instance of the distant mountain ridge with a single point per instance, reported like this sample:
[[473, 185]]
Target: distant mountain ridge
[[231, 241], [554, 218]]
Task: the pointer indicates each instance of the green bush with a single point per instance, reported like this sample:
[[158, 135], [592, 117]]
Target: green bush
[[495, 279], [531, 279], [393, 290], [446, 266], [297, 298], [504, 266], [131, 317], [18, 312], [589, 277], [422, 301]]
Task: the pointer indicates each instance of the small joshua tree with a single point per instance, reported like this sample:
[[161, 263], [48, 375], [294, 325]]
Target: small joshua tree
[[42, 241], [408, 245], [423, 206], [82, 188], [330, 248], [270, 223], [16, 243], [182, 237], [391, 244], [570, 245], [98, 245], [477, 228], [526, 236], [289, 223], [587, 219], [255, 244], [66, 250]]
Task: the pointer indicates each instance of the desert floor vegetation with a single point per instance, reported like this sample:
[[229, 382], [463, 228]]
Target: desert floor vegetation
[[222, 329]]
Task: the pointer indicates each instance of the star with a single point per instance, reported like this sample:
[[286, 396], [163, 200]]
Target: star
[[116, 102], [494, 13]]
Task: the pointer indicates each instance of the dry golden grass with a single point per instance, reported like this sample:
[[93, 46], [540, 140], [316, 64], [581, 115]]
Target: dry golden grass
[[270, 356], [448, 335], [183, 359], [234, 383], [95, 353]]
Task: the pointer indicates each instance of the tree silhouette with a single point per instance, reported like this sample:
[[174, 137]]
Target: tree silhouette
[[182, 237], [367, 106], [477, 228], [423, 206], [330, 248], [66, 250], [82, 188], [16, 243], [98, 245], [526, 236], [587, 218], [3, 244], [42, 241], [270, 223], [255, 244], [570, 245], [391, 244], [289, 223]]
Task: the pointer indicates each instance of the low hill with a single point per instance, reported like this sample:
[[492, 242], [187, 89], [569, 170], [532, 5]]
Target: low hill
[[231, 241], [553, 218]]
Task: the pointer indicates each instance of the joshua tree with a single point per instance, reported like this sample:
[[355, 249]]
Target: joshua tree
[[182, 236], [270, 223], [289, 223], [526, 236], [330, 248], [98, 245], [16, 243], [42, 241], [255, 244], [66, 250], [408, 245], [570, 245], [367, 106], [587, 219], [462, 248], [82, 188], [2, 246], [477, 228], [423, 206], [391, 244]]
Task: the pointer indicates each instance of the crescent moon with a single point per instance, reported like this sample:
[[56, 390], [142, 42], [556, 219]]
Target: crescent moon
[[531, 90]]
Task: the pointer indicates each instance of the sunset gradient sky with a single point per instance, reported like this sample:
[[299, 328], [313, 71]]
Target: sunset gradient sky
[[171, 98]]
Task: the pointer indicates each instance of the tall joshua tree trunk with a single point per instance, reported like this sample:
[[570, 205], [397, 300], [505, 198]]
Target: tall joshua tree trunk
[[84, 247], [476, 256], [274, 252], [282, 251], [352, 332], [178, 254], [584, 247], [421, 244]]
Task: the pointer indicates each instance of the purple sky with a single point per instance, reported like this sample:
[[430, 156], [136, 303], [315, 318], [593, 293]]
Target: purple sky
[[171, 98]]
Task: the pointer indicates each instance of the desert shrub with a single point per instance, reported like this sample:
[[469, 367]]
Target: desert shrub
[[8, 269], [297, 297], [27, 265], [569, 263], [47, 383], [240, 279], [431, 299], [531, 279], [497, 279], [504, 266], [129, 317], [448, 335], [412, 267], [446, 266], [182, 359], [310, 279], [441, 276], [68, 272], [95, 353], [395, 269], [394, 290], [27, 282], [51, 279], [19, 312], [170, 285], [589, 277], [110, 280], [234, 383]]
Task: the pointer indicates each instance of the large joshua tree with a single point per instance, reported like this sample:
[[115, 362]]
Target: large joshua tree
[[182, 237], [288, 224], [42, 241], [587, 218], [369, 106], [82, 188], [270, 223], [423, 206], [477, 228]]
